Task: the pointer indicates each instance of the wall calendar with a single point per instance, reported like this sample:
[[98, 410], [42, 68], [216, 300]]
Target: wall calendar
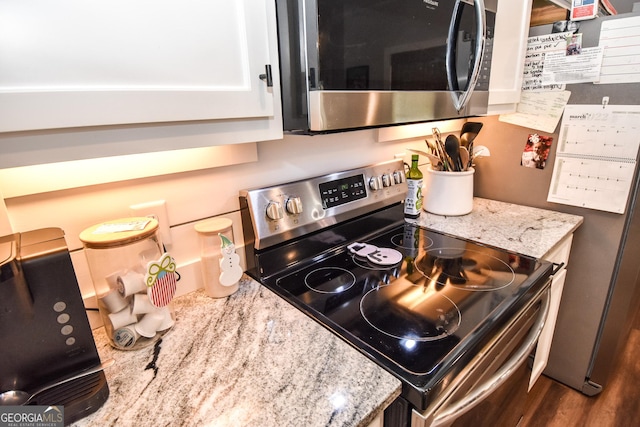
[[596, 156]]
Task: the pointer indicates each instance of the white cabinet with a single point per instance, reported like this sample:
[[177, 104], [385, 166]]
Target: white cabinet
[[73, 63], [509, 49], [378, 421], [559, 255]]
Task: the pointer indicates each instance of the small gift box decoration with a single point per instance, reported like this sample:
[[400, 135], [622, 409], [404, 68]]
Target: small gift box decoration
[[161, 280]]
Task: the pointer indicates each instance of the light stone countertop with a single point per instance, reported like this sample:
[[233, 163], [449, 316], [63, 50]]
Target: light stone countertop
[[521, 229], [251, 359]]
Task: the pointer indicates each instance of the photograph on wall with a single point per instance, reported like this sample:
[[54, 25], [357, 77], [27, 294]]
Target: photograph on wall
[[574, 44], [536, 151], [565, 26]]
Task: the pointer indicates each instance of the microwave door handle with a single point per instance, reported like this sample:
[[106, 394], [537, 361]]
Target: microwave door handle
[[460, 100], [448, 414], [452, 41]]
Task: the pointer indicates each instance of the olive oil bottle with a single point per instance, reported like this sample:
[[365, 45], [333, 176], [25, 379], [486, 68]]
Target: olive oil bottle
[[413, 202]]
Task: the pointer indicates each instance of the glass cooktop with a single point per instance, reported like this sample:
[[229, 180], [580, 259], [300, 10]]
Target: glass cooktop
[[418, 310]]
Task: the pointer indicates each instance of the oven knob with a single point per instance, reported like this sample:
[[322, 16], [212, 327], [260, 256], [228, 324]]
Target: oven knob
[[294, 205], [375, 183], [274, 211], [398, 177], [386, 180]]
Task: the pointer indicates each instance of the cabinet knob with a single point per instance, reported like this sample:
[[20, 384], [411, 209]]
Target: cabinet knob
[[267, 75]]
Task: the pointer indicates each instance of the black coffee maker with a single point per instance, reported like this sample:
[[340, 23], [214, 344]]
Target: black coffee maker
[[44, 328]]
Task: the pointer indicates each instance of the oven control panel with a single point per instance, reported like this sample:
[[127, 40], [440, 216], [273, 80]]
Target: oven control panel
[[343, 190], [278, 213]]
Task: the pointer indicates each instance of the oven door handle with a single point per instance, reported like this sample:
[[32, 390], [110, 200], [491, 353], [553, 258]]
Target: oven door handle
[[450, 412]]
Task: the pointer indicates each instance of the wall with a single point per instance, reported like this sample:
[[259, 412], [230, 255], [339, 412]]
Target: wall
[[196, 195], [624, 6]]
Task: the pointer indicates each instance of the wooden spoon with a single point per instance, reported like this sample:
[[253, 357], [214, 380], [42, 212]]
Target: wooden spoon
[[464, 158], [435, 160]]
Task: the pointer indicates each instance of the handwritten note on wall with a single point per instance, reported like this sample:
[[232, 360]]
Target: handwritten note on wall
[[541, 105], [596, 156], [537, 47]]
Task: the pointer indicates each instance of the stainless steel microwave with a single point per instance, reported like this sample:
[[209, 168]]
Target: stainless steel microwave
[[353, 64]]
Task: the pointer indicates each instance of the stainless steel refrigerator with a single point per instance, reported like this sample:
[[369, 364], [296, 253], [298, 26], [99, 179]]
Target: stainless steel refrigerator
[[602, 290]]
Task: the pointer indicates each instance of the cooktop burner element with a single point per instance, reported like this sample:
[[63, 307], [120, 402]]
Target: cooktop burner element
[[410, 313], [412, 238], [467, 269], [329, 280]]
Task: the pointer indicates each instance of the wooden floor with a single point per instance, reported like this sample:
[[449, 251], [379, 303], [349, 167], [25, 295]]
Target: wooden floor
[[555, 405]]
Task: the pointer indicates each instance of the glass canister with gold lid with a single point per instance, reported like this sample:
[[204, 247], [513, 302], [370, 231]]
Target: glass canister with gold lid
[[134, 279]]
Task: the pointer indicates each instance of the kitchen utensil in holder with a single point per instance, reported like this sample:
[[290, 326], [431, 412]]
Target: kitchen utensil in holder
[[134, 279], [448, 193], [219, 263]]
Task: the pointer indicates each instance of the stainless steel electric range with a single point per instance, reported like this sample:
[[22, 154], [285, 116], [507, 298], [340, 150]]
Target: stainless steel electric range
[[455, 321]]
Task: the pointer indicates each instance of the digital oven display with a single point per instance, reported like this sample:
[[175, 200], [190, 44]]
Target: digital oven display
[[341, 191]]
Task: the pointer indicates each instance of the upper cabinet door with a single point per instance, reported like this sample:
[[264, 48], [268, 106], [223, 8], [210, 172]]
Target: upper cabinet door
[[509, 50], [72, 63]]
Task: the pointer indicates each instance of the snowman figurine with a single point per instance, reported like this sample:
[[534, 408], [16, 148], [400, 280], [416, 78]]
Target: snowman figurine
[[230, 270]]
